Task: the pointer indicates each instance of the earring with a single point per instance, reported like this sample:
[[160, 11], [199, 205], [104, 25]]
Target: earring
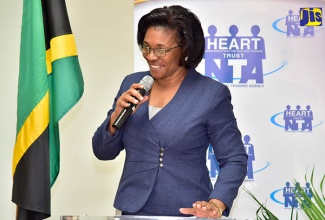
[[186, 58]]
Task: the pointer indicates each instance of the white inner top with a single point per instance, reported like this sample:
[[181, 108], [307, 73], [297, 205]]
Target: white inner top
[[153, 111]]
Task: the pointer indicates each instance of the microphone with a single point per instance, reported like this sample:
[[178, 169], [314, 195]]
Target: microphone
[[147, 82]]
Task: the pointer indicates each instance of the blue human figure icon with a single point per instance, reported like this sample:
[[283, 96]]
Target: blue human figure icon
[[289, 121], [295, 195], [214, 165], [251, 156], [233, 43], [298, 108], [298, 116], [292, 23], [212, 55], [288, 195], [308, 118], [287, 117], [254, 68], [308, 192]]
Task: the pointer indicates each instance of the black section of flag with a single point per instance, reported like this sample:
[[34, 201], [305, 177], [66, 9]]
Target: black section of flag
[[56, 20], [32, 181]]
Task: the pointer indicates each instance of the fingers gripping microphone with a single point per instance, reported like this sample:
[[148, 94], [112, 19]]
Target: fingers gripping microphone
[[147, 82]]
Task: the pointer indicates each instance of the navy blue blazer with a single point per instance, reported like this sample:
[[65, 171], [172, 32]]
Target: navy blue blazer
[[165, 164]]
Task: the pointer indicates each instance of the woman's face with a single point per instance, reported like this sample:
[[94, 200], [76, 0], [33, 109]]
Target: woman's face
[[163, 67]]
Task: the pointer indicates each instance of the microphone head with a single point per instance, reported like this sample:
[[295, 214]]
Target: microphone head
[[147, 82]]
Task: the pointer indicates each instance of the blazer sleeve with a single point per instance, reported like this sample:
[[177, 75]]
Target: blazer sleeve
[[228, 147], [105, 146]]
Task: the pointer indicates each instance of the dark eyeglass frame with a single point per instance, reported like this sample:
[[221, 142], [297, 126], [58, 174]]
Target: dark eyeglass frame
[[158, 52]]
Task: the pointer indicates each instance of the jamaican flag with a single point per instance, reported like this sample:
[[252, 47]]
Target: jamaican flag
[[50, 84]]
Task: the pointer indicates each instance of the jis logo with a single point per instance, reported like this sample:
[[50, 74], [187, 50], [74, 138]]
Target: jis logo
[[234, 58], [288, 196], [303, 23], [295, 120], [249, 148], [310, 16]]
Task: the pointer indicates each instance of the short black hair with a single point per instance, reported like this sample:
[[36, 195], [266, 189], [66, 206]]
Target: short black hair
[[187, 26]]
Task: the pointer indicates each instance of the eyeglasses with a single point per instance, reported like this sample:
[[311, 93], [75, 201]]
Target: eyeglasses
[[159, 52]]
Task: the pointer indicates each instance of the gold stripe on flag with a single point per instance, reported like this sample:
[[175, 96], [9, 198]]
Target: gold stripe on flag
[[60, 47], [32, 128]]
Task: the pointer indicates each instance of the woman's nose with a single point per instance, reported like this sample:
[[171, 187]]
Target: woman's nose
[[151, 56]]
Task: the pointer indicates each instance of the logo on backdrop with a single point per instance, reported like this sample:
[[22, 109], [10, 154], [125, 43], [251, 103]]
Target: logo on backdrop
[[310, 17], [303, 22], [214, 165], [235, 58], [251, 156], [214, 168], [290, 195], [295, 120]]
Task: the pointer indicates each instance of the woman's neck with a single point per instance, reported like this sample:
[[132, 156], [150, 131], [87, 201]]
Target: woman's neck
[[170, 83]]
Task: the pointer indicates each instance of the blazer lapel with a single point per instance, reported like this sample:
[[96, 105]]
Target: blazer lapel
[[177, 101]]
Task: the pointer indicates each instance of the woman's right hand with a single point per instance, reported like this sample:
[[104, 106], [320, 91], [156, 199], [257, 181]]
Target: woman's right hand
[[132, 95]]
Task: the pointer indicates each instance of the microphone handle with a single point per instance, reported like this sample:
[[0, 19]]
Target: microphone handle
[[126, 112]]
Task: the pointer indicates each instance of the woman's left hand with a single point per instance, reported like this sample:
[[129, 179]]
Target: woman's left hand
[[202, 209]]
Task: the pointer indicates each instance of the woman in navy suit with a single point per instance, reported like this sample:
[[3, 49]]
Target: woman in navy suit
[[167, 136]]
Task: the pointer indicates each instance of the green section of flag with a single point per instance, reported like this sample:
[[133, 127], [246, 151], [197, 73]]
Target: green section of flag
[[66, 88], [32, 83]]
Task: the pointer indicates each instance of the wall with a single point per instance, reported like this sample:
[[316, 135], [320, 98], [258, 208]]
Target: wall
[[104, 35]]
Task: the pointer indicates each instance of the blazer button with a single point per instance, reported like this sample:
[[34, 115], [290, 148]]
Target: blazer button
[[162, 149], [160, 159], [161, 165]]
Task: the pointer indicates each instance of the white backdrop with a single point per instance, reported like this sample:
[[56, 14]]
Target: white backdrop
[[287, 70]]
